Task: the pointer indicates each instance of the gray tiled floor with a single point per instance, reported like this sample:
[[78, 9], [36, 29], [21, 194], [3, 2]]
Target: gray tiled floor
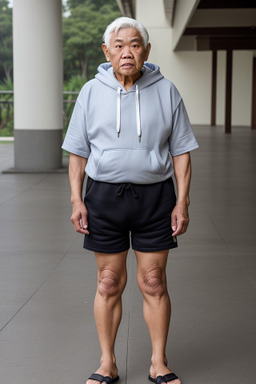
[[47, 281]]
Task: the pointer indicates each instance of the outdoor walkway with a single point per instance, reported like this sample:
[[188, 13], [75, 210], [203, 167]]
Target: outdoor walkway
[[47, 281]]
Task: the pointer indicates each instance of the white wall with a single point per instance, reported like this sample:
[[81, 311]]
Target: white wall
[[191, 71], [184, 10], [242, 87]]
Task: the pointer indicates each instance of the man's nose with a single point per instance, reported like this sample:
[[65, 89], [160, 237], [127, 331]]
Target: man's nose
[[127, 54]]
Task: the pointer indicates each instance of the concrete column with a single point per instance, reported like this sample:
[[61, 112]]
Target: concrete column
[[38, 77]]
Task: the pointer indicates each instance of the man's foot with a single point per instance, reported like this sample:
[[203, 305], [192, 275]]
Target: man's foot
[[109, 370], [161, 369]]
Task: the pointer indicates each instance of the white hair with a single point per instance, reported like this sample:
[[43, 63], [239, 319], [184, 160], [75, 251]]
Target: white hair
[[122, 23]]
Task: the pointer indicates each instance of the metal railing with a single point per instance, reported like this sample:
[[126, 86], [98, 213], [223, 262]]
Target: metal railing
[[68, 105], [7, 113]]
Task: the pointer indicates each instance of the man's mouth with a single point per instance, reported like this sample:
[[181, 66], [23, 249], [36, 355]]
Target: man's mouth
[[127, 65]]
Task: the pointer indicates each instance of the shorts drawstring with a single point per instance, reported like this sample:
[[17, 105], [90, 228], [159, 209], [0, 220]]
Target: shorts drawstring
[[123, 186]]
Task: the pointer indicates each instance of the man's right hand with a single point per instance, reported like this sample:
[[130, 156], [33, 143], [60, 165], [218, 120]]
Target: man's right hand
[[79, 218]]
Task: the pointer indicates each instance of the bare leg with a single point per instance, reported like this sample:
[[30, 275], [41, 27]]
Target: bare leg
[[112, 278], [151, 277]]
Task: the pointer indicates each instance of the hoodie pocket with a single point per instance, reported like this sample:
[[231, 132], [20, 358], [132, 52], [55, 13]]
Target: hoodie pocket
[[131, 165]]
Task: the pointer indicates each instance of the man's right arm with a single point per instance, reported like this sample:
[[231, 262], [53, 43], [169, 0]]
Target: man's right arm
[[76, 177]]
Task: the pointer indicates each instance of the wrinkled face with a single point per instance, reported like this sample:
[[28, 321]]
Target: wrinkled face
[[127, 53]]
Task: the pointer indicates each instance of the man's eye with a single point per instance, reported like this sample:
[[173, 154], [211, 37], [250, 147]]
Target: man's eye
[[135, 46], [118, 46]]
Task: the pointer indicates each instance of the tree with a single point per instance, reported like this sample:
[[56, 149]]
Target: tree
[[6, 60], [97, 3], [82, 35], [74, 3]]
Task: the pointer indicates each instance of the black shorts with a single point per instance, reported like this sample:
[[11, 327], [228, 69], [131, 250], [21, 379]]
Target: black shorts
[[116, 211]]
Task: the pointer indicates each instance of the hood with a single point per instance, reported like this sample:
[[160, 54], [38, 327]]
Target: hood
[[150, 75]]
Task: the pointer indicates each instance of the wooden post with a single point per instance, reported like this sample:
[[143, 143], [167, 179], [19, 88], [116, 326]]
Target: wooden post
[[214, 87], [254, 94], [228, 107]]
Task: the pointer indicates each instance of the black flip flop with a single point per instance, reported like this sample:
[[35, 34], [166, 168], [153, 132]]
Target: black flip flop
[[163, 379], [103, 379]]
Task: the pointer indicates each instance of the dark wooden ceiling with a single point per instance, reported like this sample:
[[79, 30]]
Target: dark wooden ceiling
[[221, 4]]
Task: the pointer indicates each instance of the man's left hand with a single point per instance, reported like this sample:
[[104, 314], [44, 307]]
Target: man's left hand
[[180, 219]]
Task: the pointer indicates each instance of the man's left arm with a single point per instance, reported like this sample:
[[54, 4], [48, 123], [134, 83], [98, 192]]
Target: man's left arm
[[182, 172]]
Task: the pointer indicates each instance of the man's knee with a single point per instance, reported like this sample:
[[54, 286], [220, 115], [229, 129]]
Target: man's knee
[[110, 283], [153, 282]]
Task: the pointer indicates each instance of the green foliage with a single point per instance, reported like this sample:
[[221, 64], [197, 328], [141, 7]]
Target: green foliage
[[74, 3], [74, 84], [6, 63], [97, 3], [6, 84], [82, 35]]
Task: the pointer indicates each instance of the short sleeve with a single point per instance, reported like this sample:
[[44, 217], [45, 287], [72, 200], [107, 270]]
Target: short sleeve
[[76, 140], [182, 139]]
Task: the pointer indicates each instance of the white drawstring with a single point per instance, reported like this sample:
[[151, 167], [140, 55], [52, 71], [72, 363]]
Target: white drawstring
[[138, 112], [118, 111]]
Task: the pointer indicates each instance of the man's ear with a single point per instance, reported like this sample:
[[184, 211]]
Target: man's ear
[[105, 50], [147, 51]]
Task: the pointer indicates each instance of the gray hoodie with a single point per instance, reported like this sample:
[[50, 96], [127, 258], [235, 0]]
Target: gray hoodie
[[129, 136]]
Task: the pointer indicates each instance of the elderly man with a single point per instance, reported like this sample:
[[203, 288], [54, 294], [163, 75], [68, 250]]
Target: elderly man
[[130, 133]]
